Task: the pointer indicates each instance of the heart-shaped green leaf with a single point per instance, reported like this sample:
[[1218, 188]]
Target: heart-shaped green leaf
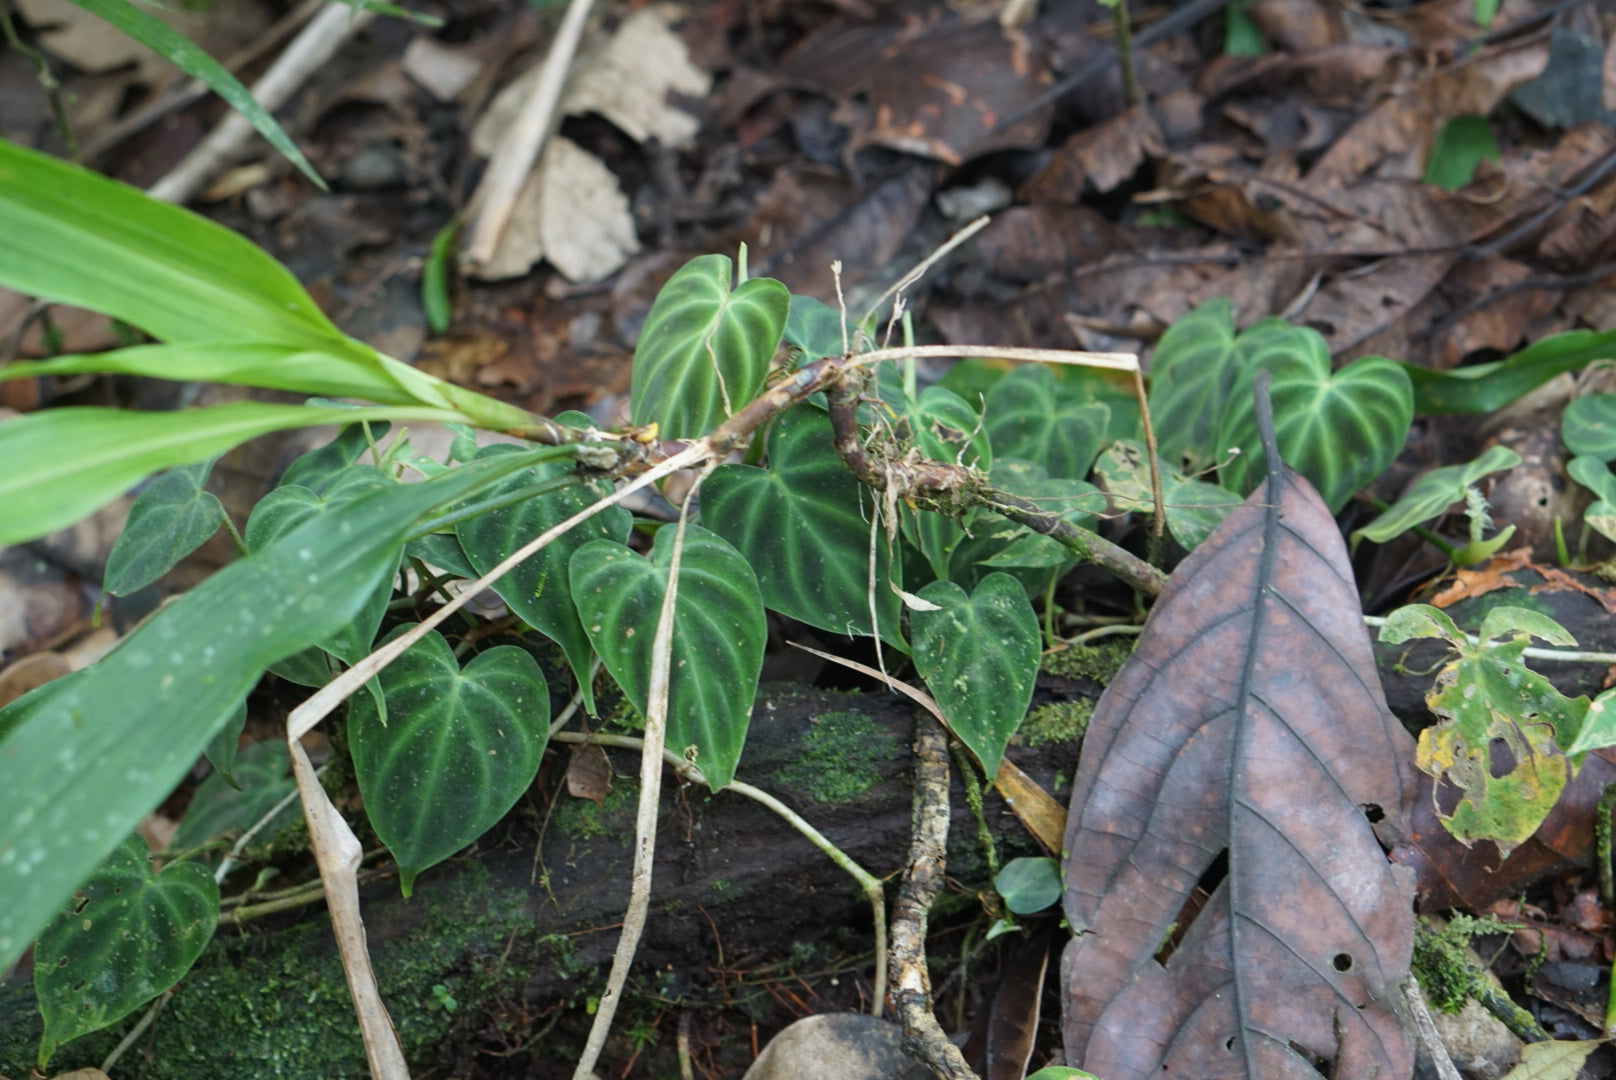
[[947, 429], [263, 778], [814, 328], [718, 636], [801, 525], [979, 657], [1192, 374], [1589, 426], [171, 518], [1194, 507], [704, 350], [1595, 475], [127, 935], [458, 749], [1434, 492], [319, 468], [1340, 431], [538, 589], [1028, 417]]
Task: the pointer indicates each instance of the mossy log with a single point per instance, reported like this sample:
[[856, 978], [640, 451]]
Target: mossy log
[[499, 944]]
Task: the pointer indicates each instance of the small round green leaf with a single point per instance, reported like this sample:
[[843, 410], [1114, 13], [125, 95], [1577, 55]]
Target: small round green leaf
[[1464, 142], [1589, 426], [171, 518], [1340, 431], [1029, 884], [979, 656], [1434, 492], [718, 635], [704, 350], [127, 935], [538, 589], [458, 749], [1029, 417], [801, 525]]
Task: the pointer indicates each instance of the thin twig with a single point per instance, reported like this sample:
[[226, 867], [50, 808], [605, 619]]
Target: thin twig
[[309, 52], [656, 730], [927, 263], [508, 170], [1116, 361], [923, 1037]]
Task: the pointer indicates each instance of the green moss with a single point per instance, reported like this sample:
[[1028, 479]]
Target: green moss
[[584, 819], [275, 1006], [1061, 722], [1098, 663], [837, 763], [1447, 976]]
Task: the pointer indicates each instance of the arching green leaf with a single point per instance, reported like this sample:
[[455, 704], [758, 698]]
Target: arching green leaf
[[1434, 492], [979, 657], [538, 589], [1589, 426], [126, 936], [801, 525], [1340, 431], [718, 636], [705, 350], [171, 518], [1029, 418], [458, 749]]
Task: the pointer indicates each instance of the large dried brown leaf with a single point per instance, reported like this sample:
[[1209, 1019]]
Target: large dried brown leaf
[[1249, 722]]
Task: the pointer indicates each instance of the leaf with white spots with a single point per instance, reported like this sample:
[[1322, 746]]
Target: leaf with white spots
[[458, 749]]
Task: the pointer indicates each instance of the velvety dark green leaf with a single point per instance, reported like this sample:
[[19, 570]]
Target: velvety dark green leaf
[[319, 468], [1340, 431], [1194, 507], [221, 749], [1192, 375], [171, 518], [801, 525], [538, 590], [1485, 388], [458, 749], [1589, 426], [85, 757], [443, 551], [178, 50], [815, 328], [263, 777], [1433, 493], [1029, 418], [1029, 884], [997, 543], [979, 657], [127, 935], [947, 429], [285, 509], [718, 636], [704, 350]]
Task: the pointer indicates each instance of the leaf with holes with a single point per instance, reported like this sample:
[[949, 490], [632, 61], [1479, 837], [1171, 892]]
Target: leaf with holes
[[459, 747], [801, 524], [538, 589], [1433, 493], [127, 935], [1237, 751], [1340, 431], [1029, 417], [979, 656], [718, 636], [1495, 713], [1588, 426], [704, 350], [171, 518]]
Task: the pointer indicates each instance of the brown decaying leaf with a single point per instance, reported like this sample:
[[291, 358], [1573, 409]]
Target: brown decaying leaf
[[1490, 575], [1003, 1038], [589, 773], [1249, 722]]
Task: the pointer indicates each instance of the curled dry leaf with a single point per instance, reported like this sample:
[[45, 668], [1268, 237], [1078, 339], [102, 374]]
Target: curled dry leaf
[[1248, 730]]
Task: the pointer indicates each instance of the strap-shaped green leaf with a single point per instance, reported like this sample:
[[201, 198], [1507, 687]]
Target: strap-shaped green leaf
[[1030, 417], [718, 636], [171, 518], [458, 749], [979, 657], [61, 464], [704, 350], [84, 758], [1434, 492], [127, 935], [801, 525], [1340, 431], [1588, 426], [538, 589]]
